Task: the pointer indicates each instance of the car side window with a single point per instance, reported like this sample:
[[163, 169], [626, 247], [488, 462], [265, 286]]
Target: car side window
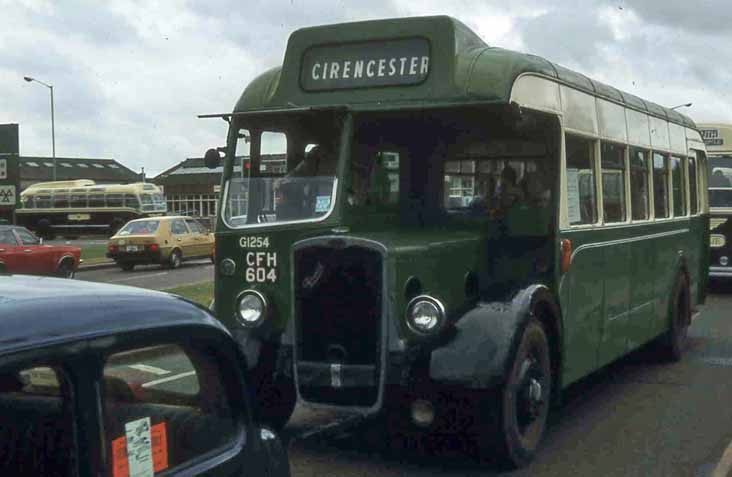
[[36, 422], [7, 238], [194, 227], [27, 238], [178, 227], [164, 406]]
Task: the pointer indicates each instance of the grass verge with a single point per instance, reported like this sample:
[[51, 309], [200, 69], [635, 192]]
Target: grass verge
[[199, 292], [94, 254]]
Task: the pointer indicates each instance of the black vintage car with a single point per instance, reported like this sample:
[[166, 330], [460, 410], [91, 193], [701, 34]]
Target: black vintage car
[[116, 381]]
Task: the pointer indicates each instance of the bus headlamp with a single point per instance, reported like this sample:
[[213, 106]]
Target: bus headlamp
[[251, 308], [425, 315]]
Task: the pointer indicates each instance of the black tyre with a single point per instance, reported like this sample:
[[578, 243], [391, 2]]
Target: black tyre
[[66, 269], [175, 259], [274, 401], [512, 418], [673, 343], [127, 267]]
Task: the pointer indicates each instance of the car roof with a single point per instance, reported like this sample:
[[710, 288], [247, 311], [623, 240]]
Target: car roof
[[161, 217], [38, 311]]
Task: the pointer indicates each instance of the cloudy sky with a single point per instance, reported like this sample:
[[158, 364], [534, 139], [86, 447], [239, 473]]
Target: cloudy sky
[[130, 76]]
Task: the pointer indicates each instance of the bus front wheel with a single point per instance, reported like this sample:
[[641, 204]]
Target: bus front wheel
[[512, 418]]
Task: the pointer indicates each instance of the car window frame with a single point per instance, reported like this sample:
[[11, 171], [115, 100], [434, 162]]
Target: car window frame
[[12, 235], [231, 367], [17, 231], [172, 224]]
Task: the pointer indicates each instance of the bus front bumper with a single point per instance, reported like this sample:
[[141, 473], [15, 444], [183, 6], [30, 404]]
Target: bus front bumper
[[720, 272]]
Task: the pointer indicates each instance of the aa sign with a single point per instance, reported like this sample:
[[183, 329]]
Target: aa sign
[[7, 195], [3, 168]]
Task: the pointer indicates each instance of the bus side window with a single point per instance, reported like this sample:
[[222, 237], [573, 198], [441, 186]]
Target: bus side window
[[613, 182], [639, 184], [660, 185], [678, 181], [581, 198], [693, 186], [132, 201]]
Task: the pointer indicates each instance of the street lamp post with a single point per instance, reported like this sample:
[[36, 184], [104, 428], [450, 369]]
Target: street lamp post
[[53, 125], [685, 105]]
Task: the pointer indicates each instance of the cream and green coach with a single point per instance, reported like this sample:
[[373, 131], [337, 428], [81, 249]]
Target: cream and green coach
[[718, 139]]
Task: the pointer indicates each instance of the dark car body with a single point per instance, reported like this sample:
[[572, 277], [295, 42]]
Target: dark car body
[[78, 394], [23, 252]]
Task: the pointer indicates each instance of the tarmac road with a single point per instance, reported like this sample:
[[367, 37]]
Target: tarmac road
[[152, 277]]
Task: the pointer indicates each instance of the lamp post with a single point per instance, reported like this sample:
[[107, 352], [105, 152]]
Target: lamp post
[[685, 105], [53, 125]]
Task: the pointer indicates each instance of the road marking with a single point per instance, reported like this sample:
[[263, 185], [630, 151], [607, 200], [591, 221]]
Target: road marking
[[168, 379], [141, 276], [725, 463], [149, 369], [717, 361]]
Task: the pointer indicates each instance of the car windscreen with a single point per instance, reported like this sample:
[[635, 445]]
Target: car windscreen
[[145, 227]]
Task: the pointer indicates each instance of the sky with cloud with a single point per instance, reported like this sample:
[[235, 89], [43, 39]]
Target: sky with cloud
[[131, 76]]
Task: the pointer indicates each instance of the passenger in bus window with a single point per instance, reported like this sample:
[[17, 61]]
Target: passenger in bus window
[[509, 193], [320, 161]]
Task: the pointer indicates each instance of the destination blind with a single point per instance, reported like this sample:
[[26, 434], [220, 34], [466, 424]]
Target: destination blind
[[366, 64]]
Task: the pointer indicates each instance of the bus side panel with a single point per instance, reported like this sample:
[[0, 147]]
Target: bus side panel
[[669, 250], [643, 272], [581, 293]]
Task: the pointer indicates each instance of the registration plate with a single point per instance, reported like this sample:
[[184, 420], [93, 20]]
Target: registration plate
[[717, 241], [131, 248], [79, 217]]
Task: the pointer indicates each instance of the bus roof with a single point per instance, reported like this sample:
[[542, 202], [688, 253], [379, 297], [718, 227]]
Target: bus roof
[[90, 186], [462, 69]]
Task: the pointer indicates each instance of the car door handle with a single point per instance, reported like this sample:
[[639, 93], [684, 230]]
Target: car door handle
[[27, 250], [2, 250], [179, 239]]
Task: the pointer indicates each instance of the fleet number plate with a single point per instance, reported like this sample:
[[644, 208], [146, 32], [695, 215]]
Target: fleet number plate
[[717, 241]]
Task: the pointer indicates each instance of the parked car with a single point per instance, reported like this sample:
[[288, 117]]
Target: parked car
[[23, 252], [99, 379], [164, 240]]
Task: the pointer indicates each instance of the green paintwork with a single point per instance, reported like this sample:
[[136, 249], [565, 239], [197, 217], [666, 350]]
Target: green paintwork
[[605, 313], [463, 70]]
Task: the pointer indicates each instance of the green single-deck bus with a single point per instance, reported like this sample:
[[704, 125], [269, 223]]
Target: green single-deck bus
[[718, 139], [456, 223]]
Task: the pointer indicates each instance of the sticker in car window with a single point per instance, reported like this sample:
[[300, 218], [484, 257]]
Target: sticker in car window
[[142, 451]]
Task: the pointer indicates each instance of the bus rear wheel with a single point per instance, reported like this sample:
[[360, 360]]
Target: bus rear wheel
[[673, 342], [511, 419]]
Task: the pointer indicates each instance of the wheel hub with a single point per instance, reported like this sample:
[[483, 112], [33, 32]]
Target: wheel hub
[[530, 396]]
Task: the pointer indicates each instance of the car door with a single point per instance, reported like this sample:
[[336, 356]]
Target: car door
[[201, 245], [182, 237], [36, 258], [9, 251]]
